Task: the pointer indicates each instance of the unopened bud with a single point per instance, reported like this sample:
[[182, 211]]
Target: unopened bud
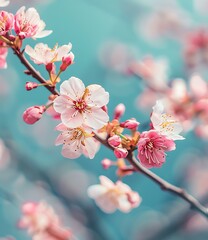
[[114, 141], [33, 114], [30, 85], [120, 152], [67, 61], [130, 124], [119, 111], [106, 163]]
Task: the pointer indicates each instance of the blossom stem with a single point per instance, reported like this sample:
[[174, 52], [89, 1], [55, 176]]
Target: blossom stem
[[166, 186]]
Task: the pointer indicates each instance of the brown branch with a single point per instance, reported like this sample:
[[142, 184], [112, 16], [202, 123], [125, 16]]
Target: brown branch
[[195, 204], [33, 71], [166, 186]]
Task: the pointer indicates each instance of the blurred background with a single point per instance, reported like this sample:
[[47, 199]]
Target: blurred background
[[107, 37]]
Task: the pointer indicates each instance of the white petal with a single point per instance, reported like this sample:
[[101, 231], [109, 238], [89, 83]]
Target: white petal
[[95, 191], [96, 119], [61, 103], [98, 96], [74, 88], [72, 118], [106, 182], [90, 147]]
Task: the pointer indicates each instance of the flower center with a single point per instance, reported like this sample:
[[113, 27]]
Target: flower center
[[77, 134], [150, 146], [80, 105]]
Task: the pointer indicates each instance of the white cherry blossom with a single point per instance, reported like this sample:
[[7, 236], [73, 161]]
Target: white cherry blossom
[[164, 123], [76, 141], [42, 54], [110, 196], [79, 105]]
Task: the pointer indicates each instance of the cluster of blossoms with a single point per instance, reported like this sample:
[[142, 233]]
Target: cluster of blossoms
[[42, 223], [82, 111]]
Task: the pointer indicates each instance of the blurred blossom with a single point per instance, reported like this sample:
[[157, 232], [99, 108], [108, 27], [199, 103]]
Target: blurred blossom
[[117, 56], [4, 155], [168, 20], [153, 71], [201, 6]]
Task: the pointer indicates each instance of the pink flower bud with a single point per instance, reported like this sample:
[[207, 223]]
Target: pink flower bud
[[50, 67], [106, 163], [114, 141], [67, 61], [120, 152], [33, 114], [130, 124], [7, 20], [119, 111], [30, 85]]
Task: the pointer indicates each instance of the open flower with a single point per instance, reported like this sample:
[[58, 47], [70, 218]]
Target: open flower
[[42, 222], [6, 22], [110, 196], [164, 123], [152, 147], [79, 105], [4, 3], [42, 54], [28, 24], [76, 141]]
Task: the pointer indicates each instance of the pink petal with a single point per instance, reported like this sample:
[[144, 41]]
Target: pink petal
[[96, 190], [91, 147], [72, 150]]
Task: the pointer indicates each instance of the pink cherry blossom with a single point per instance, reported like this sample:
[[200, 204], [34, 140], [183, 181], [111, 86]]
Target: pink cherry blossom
[[152, 147], [76, 141], [30, 85], [28, 24], [110, 196], [164, 123], [79, 105], [42, 54], [4, 3], [7, 21], [42, 223], [37, 217]]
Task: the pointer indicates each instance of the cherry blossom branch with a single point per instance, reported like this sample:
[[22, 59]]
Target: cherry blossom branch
[[166, 186]]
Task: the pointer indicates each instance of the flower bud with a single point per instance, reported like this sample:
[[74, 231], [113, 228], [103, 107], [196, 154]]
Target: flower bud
[[114, 141], [33, 114], [119, 111], [30, 85], [120, 152], [67, 61], [50, 67], [130, 124], [106, 163]]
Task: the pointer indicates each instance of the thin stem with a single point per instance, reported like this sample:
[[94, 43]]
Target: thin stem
[[166, 186]]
